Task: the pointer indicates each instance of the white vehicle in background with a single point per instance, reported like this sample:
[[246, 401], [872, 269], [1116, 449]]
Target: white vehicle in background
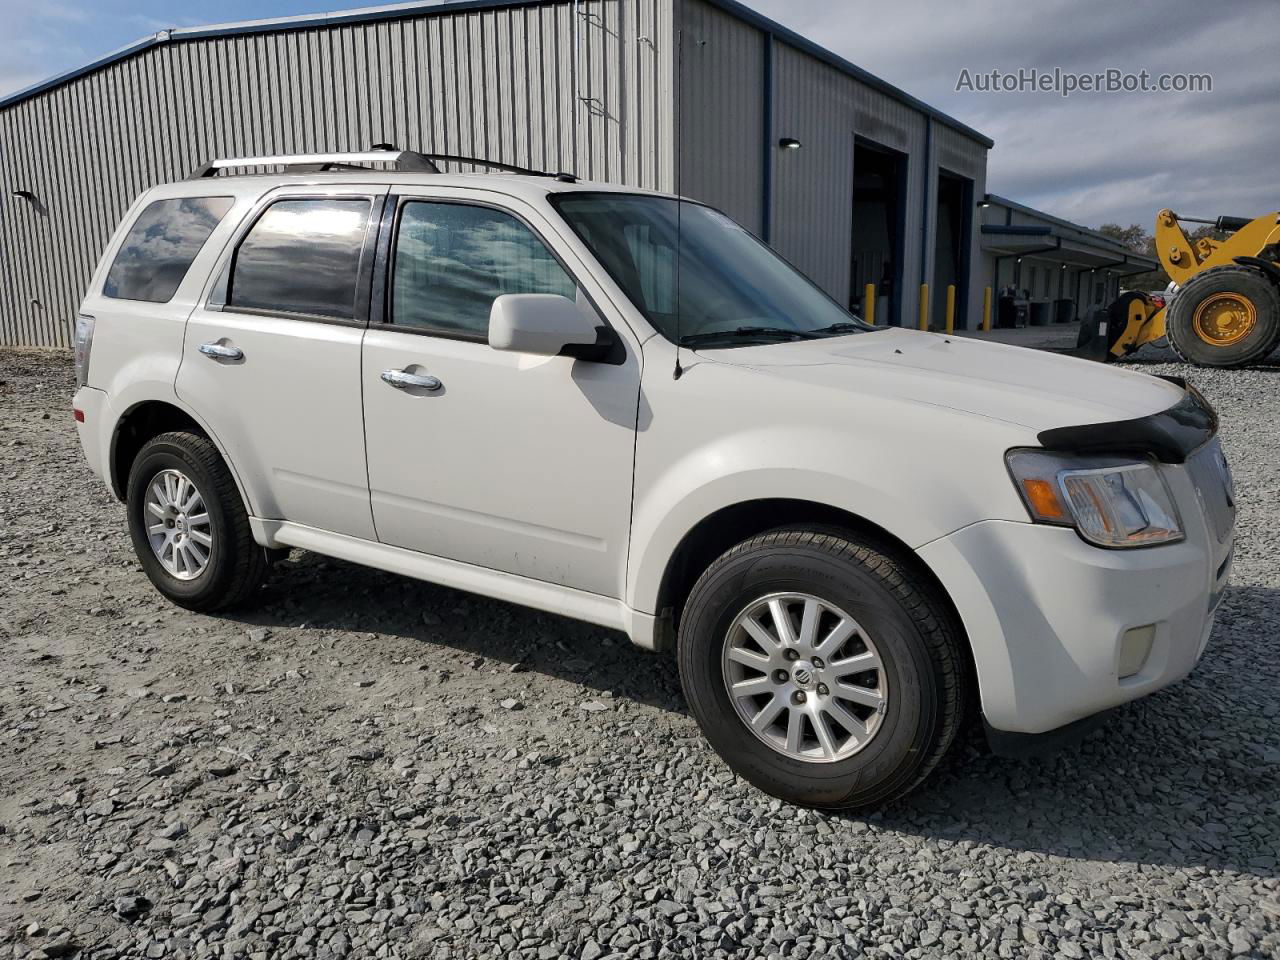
[[622, 407]]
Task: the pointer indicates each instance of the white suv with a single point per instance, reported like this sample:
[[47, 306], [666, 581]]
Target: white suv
[[620, 406]]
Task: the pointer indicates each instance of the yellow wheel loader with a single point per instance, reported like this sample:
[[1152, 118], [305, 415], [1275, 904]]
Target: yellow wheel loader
[[1225, 311]]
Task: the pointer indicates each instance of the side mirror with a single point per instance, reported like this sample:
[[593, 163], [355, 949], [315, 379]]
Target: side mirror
[[548, 325]]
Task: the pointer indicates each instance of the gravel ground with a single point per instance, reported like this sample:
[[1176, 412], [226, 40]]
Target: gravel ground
[[368, 766]]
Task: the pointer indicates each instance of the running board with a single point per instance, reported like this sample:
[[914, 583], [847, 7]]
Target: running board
[[512, 588]]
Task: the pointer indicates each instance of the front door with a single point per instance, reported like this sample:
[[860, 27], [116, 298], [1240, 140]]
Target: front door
[[516, 463], [271, 361]]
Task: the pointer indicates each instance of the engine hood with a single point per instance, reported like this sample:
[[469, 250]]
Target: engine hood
[[1031, 388]]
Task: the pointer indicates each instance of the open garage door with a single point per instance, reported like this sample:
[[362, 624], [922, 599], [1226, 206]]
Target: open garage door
[[879, 215], [951, 249]]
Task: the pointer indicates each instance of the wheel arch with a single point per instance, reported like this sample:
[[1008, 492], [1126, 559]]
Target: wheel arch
[[141, 422], [729, 525]]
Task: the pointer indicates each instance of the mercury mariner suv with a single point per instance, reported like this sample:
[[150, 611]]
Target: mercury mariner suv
[[622, 407]]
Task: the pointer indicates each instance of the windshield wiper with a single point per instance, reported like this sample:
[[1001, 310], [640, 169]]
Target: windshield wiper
[[747, 333], [843, 326]]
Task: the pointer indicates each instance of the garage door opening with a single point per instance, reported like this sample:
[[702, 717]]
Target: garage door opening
[[879, 213], [951, 249]]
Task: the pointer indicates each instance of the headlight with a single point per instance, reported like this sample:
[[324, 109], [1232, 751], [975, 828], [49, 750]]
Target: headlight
[[1111, 501], [84, 344]]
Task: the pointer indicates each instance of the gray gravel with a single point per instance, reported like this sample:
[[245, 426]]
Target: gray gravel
[[371, 766]]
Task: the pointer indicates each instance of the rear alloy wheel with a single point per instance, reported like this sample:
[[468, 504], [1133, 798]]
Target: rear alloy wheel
[[823, 667], [1225, 317], [189, 526], [178, 525]]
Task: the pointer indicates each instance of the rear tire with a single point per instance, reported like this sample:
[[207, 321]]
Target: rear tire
[[1225, 317], [902, 625], [189, 526]]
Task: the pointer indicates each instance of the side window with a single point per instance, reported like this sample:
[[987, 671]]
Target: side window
[[301, 256], [452, 260], [159, 248]]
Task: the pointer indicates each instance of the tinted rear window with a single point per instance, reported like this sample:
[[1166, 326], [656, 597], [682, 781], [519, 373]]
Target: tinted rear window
[[302, 256], [160, 247]]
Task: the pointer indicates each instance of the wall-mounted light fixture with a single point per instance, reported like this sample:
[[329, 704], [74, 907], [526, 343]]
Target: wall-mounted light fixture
[[983, 204], [24, 195], [789, 143]]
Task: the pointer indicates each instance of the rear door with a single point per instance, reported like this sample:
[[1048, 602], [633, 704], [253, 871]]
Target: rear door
[[513, 462], [271, 359]]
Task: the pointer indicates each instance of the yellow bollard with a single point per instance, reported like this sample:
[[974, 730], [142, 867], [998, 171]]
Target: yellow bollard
[[986, 309], [951, 308], [924, 306], [869, 304]]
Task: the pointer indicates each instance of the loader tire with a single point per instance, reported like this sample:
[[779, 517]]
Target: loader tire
[[1225, 317]]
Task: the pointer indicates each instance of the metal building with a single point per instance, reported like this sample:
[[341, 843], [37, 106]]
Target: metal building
[[1057, 266], [852, 179]]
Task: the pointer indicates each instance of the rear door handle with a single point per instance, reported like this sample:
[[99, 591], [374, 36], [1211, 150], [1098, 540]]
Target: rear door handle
[[403, 380], [221, 351]]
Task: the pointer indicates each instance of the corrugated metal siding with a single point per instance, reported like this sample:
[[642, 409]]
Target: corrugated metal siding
[[721, 112], [502, 83], [813, 186]]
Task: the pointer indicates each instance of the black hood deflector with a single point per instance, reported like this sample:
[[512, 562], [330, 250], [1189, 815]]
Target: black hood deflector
[[1170, 436]]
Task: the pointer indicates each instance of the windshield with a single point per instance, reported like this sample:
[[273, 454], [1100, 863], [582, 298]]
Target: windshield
[[724, 286]]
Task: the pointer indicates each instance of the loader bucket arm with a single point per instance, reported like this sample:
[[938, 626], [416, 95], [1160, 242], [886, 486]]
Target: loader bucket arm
[[1183, 259]]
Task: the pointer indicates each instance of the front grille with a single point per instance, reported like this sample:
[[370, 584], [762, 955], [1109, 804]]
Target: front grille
[[1212, 479]]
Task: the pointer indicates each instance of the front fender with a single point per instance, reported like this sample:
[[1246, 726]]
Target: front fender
[[899, 487]]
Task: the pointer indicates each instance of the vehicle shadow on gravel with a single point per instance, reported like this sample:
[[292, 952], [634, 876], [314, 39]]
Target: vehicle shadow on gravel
[[1187, 777], [322, 593]]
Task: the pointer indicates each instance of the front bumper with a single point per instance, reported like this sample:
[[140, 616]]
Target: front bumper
[[1046, 612]]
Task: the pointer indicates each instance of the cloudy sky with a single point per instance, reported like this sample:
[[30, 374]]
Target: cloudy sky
[[1092, 157]]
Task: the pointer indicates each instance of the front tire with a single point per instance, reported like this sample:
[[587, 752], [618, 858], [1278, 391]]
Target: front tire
[[189, 527], [821, 668]]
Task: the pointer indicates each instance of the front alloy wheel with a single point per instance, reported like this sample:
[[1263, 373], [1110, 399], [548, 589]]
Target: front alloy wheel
[[805, 677]]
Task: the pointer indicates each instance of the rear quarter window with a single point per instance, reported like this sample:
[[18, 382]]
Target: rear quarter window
[[160, 246]]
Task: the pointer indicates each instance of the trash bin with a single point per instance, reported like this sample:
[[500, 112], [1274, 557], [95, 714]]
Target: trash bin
[[1064, 310], [1041, 313], [1012, 313]]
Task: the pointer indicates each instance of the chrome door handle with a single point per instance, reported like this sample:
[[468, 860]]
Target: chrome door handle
[[220, 351], [402, 380]]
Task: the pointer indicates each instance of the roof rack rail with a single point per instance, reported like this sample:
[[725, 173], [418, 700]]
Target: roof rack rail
[[403, 160], [497, 165], [409, 160]]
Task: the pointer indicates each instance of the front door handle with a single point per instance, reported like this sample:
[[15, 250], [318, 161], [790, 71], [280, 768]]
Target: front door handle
[[221, 351], [403, 380]]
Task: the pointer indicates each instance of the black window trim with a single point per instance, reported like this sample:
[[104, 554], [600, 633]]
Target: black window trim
[[384, 264], [364, 269], [124, 239]]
